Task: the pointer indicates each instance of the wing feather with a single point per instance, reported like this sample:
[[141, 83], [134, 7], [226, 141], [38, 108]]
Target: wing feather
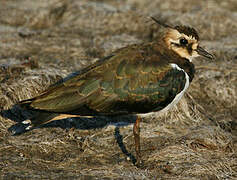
[[127, 82]]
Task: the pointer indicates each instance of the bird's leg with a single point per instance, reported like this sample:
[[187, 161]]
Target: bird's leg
[[136, 133]]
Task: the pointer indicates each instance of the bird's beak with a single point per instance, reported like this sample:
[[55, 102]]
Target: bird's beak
[[204, 53]]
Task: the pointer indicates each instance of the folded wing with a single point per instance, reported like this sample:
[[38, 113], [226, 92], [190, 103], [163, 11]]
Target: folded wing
[[128, 82]]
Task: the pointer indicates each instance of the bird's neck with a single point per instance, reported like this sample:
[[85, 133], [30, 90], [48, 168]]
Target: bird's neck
[[184, 64], [187, 66]]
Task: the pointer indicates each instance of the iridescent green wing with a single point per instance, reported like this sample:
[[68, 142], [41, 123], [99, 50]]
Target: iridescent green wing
[[72, 94], [78, 91], [140, 86], [134, 80], [151, 90]]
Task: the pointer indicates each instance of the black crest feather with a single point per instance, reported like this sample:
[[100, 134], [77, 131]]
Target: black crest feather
[[188, 31], [160, 22]]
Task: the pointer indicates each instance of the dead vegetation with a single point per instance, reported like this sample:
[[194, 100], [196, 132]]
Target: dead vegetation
[[42, 42]]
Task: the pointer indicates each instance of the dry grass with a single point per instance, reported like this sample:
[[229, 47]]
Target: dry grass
[[42, 42]]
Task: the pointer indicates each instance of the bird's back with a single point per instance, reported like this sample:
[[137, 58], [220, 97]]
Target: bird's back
[[136, 79]]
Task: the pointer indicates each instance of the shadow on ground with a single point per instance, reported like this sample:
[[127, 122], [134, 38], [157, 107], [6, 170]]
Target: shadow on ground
[[76, 123]]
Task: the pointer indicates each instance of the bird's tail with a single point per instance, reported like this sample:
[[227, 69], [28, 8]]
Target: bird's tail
[[37, 118], [34, 117]]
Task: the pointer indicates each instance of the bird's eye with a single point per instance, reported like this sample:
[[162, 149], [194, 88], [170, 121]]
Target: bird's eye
[[183, 41]]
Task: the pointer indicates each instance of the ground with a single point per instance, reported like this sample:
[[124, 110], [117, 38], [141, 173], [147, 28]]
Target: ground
[[43, 41]]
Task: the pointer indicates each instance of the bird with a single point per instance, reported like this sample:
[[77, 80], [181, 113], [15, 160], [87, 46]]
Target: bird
[[133, 80]]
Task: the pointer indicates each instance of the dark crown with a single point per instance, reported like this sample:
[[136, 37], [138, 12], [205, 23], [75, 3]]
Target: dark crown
[[182, 29], [187, 31]]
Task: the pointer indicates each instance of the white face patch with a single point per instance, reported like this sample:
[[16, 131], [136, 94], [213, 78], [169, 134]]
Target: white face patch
[[189, 38], [173, 37], [195, 45]]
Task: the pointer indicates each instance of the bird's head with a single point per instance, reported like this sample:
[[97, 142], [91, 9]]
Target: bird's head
[[184, 41]]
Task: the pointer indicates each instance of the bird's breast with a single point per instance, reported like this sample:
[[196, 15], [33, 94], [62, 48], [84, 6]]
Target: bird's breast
[[180, 94]]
